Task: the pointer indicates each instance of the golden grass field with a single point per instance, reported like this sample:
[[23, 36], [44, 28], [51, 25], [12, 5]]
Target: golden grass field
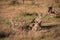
[[18, 13]]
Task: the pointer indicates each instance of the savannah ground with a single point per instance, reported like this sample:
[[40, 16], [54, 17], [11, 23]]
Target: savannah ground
[[26, 12]]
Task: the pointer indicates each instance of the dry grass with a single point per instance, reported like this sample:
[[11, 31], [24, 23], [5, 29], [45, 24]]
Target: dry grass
[[27, 13], [50, 34]]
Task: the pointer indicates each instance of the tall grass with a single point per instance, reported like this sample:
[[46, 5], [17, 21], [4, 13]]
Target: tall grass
[[26, 16]]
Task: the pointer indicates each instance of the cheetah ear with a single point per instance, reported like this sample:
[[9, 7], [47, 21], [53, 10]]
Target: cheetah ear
[[51, 4], [33, 21]]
